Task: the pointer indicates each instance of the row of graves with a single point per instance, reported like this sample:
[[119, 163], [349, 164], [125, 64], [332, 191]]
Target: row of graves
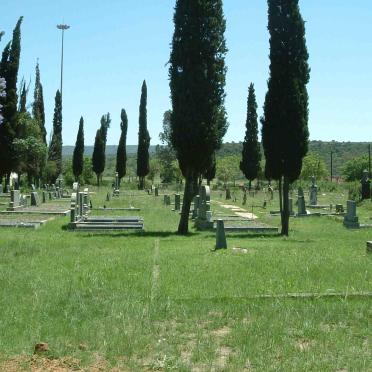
[[29, 210], [82, 220], [234, 220]]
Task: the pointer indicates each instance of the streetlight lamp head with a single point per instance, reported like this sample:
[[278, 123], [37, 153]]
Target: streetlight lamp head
[[63, 27]]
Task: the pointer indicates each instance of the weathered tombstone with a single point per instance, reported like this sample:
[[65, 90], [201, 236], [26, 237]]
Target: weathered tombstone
[[81, 204], [369, 247], [366, 186], [313, 192], [300, 191], [7, 188], [117, 185], [177, 202], [301, 206], [44, 196], [196, 207], [351, 220], [156, 191], [34, 199], [85, 201], [1, 188], [220, 235], [228, 194], [73, 207], [15, 199]]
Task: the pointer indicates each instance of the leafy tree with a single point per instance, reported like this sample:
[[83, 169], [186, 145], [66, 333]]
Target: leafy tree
[[9, 67], [38, 104], [30, 151], [313, 165], [197, 79], [55, 147], [98, 157], [121, 155], [285, 122], [228, 169], [353, 169], [251, 154], [154, 169], [78, 155], [143, 157]]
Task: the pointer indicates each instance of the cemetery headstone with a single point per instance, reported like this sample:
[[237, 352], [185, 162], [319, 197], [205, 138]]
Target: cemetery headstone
[[15, 200], [204, 218], [156, 191], [177, 202], [220, 235], [34, 199], [313, 192], [44, 196], [366, 186], [7, 188], [117, 185], [1, 188], [301, 206], [339, 208], [351, 219]]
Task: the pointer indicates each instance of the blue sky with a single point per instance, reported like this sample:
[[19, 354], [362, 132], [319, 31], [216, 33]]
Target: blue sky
[[114, 45]]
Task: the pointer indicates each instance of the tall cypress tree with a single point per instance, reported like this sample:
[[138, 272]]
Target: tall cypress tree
[[98, 157], [55, 147], [197, 79], [285, 122], [143, 158], [23, 99], [38, 105], [78, 155], [9, 70], [251, 154], [121, 155]]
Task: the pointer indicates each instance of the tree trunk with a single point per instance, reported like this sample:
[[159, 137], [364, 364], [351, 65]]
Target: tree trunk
[[183, 227], [98, 180], [249, 185], [285, 213], [141, 185]]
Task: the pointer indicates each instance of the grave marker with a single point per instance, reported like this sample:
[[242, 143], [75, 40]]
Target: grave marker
[[351, 220]]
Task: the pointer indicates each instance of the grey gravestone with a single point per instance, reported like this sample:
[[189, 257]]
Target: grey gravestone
[[7, 189], [156, 191], [366, 186], [301, 206], [220, 235], [177, 202], [351, 220], [1, 188], [15, 200], [339, 208], [300, 191], [34, 199], [117, 185], [313, 192], [33, 188], [196, 207], [44, 196]]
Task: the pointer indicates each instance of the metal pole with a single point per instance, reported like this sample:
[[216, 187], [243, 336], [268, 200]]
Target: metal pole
[[62, 28]]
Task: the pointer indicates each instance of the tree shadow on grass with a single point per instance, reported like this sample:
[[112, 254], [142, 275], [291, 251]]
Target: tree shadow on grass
[[134, 234]]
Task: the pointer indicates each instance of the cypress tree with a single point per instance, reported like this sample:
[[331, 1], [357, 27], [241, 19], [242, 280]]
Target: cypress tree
[[143, 159], [251, 154], [9, 70], [23, 99], [197, 79], [55, 147], [98, 157], [121, 155], [285, 122], [38, 105], [78, 155]]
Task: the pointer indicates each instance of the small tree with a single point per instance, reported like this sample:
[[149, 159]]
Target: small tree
[[55, 147], [143, 166], [251, 155], [98, 157], [313, 165], [23, 99], [78, 155], [38, 104], [121, 155]]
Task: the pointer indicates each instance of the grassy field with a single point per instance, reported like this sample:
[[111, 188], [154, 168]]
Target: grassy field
[[158, 301]]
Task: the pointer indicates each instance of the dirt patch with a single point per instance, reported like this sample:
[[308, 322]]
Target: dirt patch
[[222, 332], [223, 354], [303, 345]]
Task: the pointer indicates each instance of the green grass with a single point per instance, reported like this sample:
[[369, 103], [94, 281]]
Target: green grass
[[158, 301]]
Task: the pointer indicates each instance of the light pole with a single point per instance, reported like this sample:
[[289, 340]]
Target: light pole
[[62, 28]]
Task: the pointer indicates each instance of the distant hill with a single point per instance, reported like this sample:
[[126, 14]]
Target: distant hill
[[342, 151], [110, 150]]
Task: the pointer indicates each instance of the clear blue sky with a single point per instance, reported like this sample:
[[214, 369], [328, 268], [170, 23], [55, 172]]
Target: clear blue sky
[[113, 45]]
